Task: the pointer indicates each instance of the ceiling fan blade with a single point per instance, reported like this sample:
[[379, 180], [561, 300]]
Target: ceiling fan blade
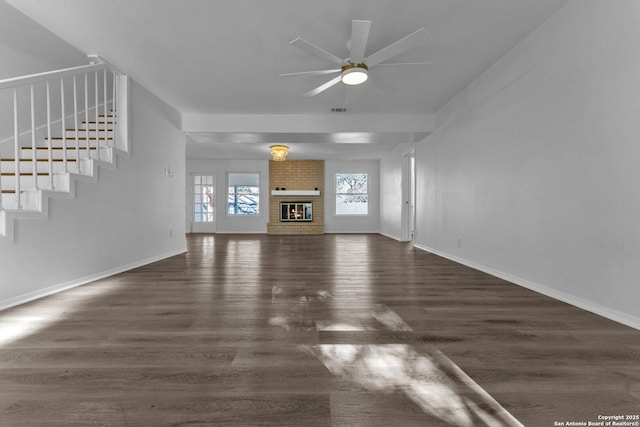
[[317, 51], [412, 40], [324, 87], [359, 36], [406, 63], [311, 73]]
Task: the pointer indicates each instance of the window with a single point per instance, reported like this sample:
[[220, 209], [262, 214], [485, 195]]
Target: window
[[203, 198], [243, 195], [352, 194]]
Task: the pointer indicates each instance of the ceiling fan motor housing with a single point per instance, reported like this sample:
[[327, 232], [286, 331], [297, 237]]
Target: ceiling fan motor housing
[[354, 74]]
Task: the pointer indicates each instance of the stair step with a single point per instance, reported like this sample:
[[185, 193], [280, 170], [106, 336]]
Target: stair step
[[37, 160], [60, 148], [102, 122], [87, 130], [82, 138], [24, 174], [28, 181]]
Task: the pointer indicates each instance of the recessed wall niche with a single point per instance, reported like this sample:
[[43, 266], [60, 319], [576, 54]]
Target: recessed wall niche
[[303, 176]]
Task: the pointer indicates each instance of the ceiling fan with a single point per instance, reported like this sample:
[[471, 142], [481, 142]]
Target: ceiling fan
[[355, 69]]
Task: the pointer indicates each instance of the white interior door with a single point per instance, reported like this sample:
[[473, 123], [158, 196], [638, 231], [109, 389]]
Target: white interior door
[[408, 197]]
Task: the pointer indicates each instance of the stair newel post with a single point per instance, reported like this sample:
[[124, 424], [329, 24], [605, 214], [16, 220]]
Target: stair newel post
[[75, 121], [49, 148], [16, 147], [64, 133], [34, 154], [86, 115], [96, 129], [105, 109]]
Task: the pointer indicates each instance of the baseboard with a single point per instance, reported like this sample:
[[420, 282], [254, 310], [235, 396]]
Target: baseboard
[[391, 236], [388, 235], [30, 296], [600, 310]]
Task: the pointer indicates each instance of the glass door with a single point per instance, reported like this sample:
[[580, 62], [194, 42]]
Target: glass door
[[203, 212]]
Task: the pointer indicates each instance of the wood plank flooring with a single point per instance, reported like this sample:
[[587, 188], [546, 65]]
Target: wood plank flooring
[[342, 330]]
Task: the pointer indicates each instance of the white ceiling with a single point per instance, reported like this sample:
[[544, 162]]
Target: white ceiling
[[224, 57]]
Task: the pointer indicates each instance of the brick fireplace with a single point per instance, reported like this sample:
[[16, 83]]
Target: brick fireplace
[[296, 182]]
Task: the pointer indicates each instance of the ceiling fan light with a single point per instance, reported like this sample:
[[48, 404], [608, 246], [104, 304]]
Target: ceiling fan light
[[279, 152], [354, 74]]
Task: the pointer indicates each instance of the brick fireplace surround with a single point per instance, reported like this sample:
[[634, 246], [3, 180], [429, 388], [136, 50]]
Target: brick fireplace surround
[[296, 175]]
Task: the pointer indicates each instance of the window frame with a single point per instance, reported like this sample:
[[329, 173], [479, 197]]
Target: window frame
[[337, 194], [228, 185]]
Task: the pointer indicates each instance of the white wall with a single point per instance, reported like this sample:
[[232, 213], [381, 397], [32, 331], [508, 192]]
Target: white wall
[[122, 221], [228, 223], [133, 215], [533, 171], [351, 223], [27, 48], [246, 224]]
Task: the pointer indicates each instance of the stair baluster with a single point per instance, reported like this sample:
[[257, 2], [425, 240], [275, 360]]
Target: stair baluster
[[75, 122], [64, 128], [16, 145], [49, 139], [34, 154], [26, 161]]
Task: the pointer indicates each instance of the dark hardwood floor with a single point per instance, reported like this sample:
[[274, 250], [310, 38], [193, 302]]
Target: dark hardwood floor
[[344, 330]]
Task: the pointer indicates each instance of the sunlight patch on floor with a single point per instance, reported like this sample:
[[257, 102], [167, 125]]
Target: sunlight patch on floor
[[22, 321], [430, 380], [427, 379]]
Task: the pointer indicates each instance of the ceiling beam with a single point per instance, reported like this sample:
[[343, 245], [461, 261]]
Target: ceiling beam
[[302, 123]]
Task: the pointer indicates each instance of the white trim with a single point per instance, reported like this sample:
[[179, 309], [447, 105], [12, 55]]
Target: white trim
[[391, 236], [260, 202], [295, 192], [601, 310], [30, 296], [48, 75]]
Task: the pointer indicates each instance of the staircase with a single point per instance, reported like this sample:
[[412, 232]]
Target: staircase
[[39, 163]]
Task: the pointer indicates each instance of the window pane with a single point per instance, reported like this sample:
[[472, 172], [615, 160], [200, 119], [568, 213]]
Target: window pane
[[351, 183], [247, 204], [243, 194], [244, 179], [196, 179], [352, 194], [352, 205], [231, 204]]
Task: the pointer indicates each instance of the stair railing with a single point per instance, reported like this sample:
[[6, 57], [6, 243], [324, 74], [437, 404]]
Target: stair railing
[[34, 121]]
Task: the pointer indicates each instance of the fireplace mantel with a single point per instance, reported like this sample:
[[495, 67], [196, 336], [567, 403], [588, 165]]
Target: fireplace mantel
[[295, 192]]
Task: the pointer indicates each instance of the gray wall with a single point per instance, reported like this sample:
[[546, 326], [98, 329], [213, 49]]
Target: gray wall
[[533, 171], [124, 220]]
